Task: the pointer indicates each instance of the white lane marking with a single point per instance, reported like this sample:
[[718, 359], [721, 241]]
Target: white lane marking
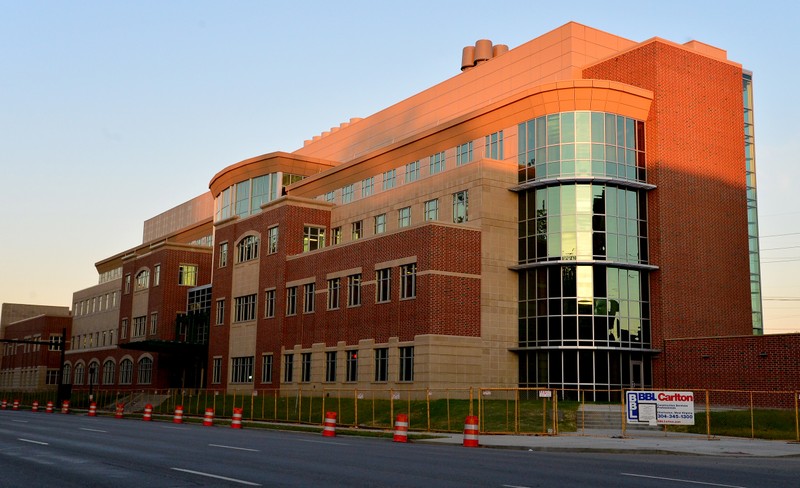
[[94, 430], [680, 480], [232, 447], [514, 486], [174, 428], [215, 476], [33, 442], [323, 442], [20, 421]]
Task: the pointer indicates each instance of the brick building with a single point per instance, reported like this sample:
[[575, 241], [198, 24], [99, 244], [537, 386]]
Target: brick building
[[28, 366]]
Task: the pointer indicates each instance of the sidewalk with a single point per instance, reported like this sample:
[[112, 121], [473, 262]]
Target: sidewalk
[[639, 443]]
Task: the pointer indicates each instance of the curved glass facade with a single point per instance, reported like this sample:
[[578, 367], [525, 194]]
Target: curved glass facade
[[246, 197], [584, 311]]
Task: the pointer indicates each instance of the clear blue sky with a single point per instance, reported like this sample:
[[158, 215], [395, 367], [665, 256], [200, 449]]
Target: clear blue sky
[[112, 112]]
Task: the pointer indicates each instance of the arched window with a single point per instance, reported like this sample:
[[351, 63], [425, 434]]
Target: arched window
[[67, 374], [247, 249], [125, 372], [79, 369], [145, 371], [143, 279], [94, 371], [109, 372]]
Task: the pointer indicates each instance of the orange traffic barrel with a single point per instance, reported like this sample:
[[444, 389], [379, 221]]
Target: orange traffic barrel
[[120, 411], [35, 406], [148, 412], [471, 431], [208, 418], [3, 404], [93, 409], [49, 407], [236, 421], [178, 417], [329, 429], [16, 405], [401, 428], [65, 407]]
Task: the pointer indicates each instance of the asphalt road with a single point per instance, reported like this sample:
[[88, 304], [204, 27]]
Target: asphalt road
[[38, 449]]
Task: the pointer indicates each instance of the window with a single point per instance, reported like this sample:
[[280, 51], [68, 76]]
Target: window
[[406, 364], [142, 282], [330, 197], [352, 366], [333, 293], [383, 287], [432, 210], [357, 231], [123, 333], [216, 370], [242, 369], [79, 370], [125, 372], [389, 179], [223, 254], [244, 308], [156, 278], [460, 207], [51, 377], [336, 235], [412, 171], [408, 281], [288, 368], [261, 191], [94, 369], [220, 312], [381, 364], [494, 145], [330, 366], [354, 290], [54, 342], [187, 275], [145, 371], [347, 193], [269, 304], [367, 186], [313, 238], [305, 369], [308, 297], [272, 240], [127, 287], [464, 153], [242, 207], [247, 249], [380, 223], [404, 217], [266, 368], [139, 326], [154, 323], [109, 372], [291, 300], [67, 374], [436, 163]]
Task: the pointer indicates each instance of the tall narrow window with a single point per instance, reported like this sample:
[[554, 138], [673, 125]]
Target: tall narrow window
[[288, 368], [305, 367], [220, 312], [336, 236], [358, 232], [389, 179], [308, 297], [266, 368], [464, 153], [153, 323], [404, 217], [383, 287], [406, 364], [367, 186], [127, 288], [313, 238], [216, 370], [223, 254], [269, 304], [381, 364], [243, 198], [408, 281], [333, 293], [460, 201], [330, 366], [380, 223], [145, 371], [412, 171], [354, 290], [123, 329], [272, 240], [156, 278], [125, 372], [352, 366], [436, 163], [494, 145], [291, 300], [347, 193], [432, 210]]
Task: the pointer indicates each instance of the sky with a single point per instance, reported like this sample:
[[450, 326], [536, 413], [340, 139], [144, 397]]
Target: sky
[[112, 112]]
